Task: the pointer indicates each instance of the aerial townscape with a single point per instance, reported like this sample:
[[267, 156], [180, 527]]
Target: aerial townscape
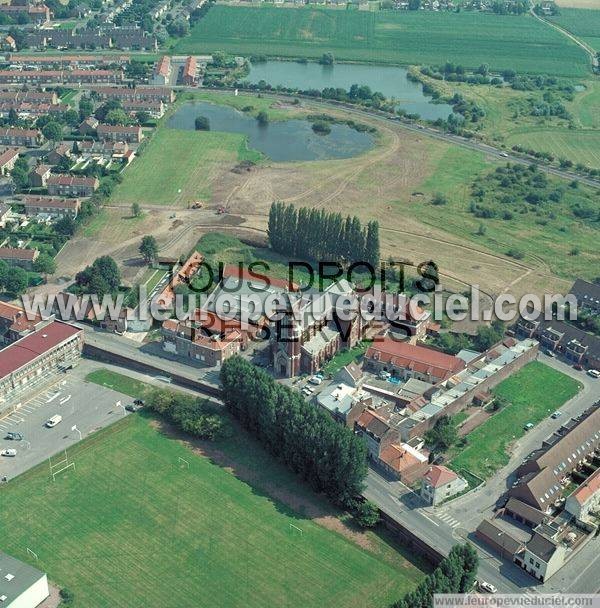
[[299, 303]]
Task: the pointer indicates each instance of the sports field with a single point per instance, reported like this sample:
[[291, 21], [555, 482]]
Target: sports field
[[530, 401], [135, 527], [583, 22], [403, 37], [179, 167]]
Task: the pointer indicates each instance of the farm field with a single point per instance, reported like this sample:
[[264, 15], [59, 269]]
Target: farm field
[[402, 37], [583, 22], [530, 401], [136, 527], [179, 167]]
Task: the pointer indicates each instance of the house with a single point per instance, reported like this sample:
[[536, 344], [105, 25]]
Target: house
[[189, 75], [541, 477], [14, 136], [51, 207], [524, 513], [56, 77], [8, 158], [180, 276], [587, 295], [36, 13], [8, 43], [586, 498], [21, 585], [91, 149], [500, 539], [154, 107], [543, 556], [162, 71], [340, 399], [164, 94], [574, 344], [441, 483], [19, 257], [69, 185], [406, 462], [59, 154], [131, 134], [375, 432], [5, 213], [38, 177], [36, 97], [208, 347], [14, 323], [89, 126], [405, 360]]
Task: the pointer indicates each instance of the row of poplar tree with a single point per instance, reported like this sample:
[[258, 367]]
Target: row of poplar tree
[[315, 234], [326, 454]]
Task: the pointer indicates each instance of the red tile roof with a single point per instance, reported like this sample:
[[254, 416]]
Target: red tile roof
[[17, 317], [8, 155], [189, 69], [117, 129], [418, 358], [16, 132], [12, 253], [163, 66], [439, 476], [588, 488], [30, 347], [399, 458], [49, 201], [234, 270], [71, 180]]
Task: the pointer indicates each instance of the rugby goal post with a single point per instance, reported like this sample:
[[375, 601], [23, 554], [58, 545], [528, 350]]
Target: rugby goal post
[[296, 530], [61, 466], [183, 463], [30, 552]]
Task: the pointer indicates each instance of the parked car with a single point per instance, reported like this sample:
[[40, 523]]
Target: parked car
[[551, 353], [9, 452], [316, 380], [139, 402], [594, 373], [132, 407], [578, 367], [487, 587], [52, 422], [14, 436], [504, 154], [556, 414], [528, 426]]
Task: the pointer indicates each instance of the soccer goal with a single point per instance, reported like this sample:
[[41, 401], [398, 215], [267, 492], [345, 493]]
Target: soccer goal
[[295, 530], [61, 466], [183, 463]]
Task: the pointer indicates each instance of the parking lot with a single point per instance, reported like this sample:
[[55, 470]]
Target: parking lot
[[83, 405]]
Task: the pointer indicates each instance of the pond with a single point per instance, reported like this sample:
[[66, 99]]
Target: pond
[[281, 141], [390, 80]]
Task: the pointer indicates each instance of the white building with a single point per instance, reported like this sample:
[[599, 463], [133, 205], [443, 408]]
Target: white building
[[21, 585], [440, 483], [586, 498]]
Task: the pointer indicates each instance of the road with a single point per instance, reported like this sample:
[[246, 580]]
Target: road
[[456, 521]]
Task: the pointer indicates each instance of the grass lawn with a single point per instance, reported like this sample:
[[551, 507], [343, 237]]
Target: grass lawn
[[534, 392], [178, 167], [154, 279], [548, 239], [345, 357], [402, 37], [134, 527], [584, 23]]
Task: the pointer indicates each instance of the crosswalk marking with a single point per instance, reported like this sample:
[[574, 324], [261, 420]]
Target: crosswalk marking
[[453, 523]]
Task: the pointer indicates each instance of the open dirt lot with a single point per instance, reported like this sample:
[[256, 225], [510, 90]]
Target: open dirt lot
[[392, 183]]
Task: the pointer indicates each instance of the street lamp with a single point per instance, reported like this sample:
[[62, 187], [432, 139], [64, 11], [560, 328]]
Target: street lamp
[[74, 428], [119, 404]]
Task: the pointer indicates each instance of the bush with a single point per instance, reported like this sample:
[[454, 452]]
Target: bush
[[439, 199], [202, 123], [67, 596], [367, 514], [321, 127]]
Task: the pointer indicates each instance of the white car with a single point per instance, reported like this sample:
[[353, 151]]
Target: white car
[[487, 587], [504, 154], [594, 373], [316, 380], [52, 422], [9, 452]]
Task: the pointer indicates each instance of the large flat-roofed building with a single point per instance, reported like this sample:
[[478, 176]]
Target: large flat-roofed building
[[21, 585], [31, 359]]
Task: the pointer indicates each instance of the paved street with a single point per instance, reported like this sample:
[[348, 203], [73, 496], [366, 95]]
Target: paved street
[[455, 521]]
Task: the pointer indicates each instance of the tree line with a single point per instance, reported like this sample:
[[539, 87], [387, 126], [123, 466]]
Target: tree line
[[308, 441], [320, 235], [455, 574]]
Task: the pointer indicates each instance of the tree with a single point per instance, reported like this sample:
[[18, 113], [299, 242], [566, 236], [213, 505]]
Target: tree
[[143, 117], [117, 117], [71, 117], [45, 264], [149, 248], [52, 131], [13, 117], [414, 5], [202, 123], [16, 281], [367, 514], [86, 107], [100, 278], [327, 59], [443, 435], [66, 225], [263, 118], [136, 209], [20, 173]]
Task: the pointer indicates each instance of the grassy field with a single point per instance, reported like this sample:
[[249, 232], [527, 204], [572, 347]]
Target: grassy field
[[583, 22], [530, 401], [135, 527], [178, 167], [404, 37]]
